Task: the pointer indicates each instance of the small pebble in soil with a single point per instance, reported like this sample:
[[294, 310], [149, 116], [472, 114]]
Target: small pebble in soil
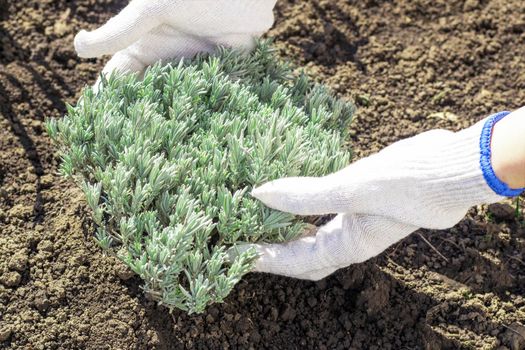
[[502, 211], [18, 262], [274, 314], [11, 279], [124, 273], [470, 5], [3, 193], [288, 313], [41, 303], [46, 181], [312, 301], [45, 246], [20, 211], [5, 333]]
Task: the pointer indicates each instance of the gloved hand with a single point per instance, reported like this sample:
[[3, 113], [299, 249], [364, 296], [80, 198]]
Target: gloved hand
[[428, 181], [147, 31], [347, 239]]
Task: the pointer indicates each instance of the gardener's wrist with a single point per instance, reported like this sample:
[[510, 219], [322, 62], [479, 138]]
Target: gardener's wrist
[[508, 149]]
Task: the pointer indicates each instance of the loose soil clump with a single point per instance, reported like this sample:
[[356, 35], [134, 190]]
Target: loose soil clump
[[411, 65]]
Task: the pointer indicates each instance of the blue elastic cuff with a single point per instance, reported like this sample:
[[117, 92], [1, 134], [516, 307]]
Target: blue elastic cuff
[[496, 184]]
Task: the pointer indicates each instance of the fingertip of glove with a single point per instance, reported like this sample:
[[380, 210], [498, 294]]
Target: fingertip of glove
[[267, 192], [81, 46], [284, 195], [258, 192]]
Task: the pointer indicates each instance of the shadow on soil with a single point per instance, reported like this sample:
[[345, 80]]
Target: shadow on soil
[[468, 257], [355, 304], [330, 46], [31, 153], [10, 85], [17, 127], [347, 46], [343, 305]]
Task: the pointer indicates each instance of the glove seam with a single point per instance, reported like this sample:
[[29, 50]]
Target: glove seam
[[498, 186]]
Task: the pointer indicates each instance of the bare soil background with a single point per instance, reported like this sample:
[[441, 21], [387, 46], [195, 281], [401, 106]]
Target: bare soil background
[[410, 65]]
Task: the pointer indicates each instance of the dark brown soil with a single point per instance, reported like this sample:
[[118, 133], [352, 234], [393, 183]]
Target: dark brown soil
[[411, 65]]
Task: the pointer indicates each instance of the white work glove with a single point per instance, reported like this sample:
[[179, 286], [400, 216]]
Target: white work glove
[[147, 31], [347, 239], [429, 181]]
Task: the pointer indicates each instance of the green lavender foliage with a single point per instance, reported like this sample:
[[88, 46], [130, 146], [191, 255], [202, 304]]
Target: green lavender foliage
[[167, 164]]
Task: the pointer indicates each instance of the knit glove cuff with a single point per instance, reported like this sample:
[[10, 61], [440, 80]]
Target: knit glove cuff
[[498, 186]]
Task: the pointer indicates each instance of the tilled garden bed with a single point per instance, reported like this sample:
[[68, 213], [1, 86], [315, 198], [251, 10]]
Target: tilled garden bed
[[410, 66]]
